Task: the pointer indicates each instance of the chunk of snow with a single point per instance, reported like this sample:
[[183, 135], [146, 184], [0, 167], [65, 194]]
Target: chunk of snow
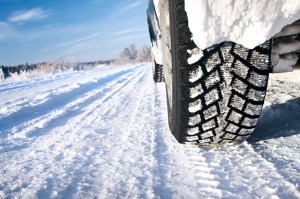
[[249, 23]]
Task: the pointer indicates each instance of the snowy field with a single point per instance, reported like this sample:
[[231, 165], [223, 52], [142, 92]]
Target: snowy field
[[103, 133]]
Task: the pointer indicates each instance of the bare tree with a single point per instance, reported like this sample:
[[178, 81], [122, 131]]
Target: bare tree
[[133, 51], [132, 55], [144, 54], [124, 57], [59, 65]]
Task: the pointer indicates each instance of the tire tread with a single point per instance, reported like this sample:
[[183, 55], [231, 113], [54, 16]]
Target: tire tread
[[229, 73]]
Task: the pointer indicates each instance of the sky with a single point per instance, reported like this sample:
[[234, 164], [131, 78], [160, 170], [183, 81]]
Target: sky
[[33, 31]]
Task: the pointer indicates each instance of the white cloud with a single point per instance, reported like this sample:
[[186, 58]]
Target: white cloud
[[122, 32], [6, 30], [104, 34], [28, 15], [131, 6], [79, 40]]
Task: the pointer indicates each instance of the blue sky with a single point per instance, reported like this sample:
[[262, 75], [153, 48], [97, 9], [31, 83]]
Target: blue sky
[[41, 30]]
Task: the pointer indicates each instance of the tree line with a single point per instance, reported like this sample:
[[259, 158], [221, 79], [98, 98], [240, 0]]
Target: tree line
[[129, 55], [132, 55], [50, 67]]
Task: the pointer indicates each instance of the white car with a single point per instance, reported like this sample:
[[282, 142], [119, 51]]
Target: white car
[[215, 58]]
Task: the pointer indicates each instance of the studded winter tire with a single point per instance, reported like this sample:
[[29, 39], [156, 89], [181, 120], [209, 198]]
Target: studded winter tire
[[217, 98]]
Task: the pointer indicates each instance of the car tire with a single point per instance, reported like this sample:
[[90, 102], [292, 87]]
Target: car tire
[[219, 98], [157, 69]]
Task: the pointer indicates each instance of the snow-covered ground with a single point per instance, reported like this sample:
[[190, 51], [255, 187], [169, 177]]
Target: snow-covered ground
[[103, 134]]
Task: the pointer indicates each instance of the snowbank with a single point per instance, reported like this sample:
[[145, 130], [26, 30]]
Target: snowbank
[[249, 23]]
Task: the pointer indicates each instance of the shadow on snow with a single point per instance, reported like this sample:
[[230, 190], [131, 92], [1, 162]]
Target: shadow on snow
[[278, 120]]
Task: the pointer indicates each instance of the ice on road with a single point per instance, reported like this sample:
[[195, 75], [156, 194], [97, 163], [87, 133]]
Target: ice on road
[[103, 133]]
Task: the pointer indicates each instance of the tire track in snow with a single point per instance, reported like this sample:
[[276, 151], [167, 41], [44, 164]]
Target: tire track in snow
[[105, 153], [38, 81], [172, 176], [31, 129], [10, 105], [238, 172], [102, 143], [277, 135], [97, 118], [284, 158], [60, 83], [120, 181], [55, 102], [60, 149], [142, 166]]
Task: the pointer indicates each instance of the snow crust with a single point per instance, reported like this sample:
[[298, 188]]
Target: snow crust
[[249, 23], [104, 133]]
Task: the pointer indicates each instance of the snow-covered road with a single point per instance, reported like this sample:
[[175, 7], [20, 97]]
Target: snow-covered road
[[103, 133]]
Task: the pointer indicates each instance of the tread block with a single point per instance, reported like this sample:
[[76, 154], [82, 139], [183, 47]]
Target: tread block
[[196, 91], [192, 75], [208, 134], [240, 69], [239, 86], [212, 62], [241, 51], [235, 117], [211, 97], [232, 128], [256, 95], [260, 61], [192, 138], [212, 79], [210, 112], [158, 74], [249, 122], [205, 141], [252, 109], [193, 131], [226, 55], [195, 106], [258, 80], [229, 136], [211, 124], [194, 120], [237, 102], [245, 131]]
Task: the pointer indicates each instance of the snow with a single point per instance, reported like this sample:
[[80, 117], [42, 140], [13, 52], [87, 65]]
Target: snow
[[284, 56], [103, 133], [156, 5], [285, 63], [248, 23], [156, 52], [196, 55]]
